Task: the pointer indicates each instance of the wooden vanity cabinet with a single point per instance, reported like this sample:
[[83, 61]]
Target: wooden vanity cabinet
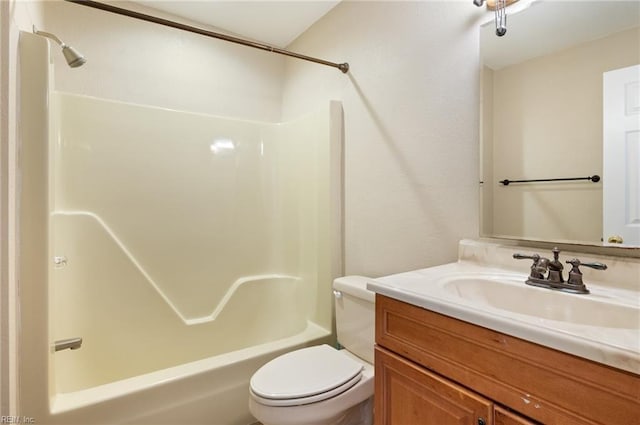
[[431, 369]]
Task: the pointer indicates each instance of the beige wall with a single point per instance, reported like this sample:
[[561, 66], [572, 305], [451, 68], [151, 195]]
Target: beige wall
[[548, 124], [411, 126]]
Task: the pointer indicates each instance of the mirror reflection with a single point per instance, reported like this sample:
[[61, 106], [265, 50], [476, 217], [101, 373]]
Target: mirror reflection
[[561, 99]]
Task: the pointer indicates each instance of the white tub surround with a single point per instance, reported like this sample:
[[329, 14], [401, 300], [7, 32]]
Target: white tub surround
[[486, 287], [185, 249]]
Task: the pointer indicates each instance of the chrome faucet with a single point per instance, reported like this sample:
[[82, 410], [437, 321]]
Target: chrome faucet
[[553, 270]]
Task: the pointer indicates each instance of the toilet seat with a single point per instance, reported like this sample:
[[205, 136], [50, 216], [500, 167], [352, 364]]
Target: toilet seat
[[307, 400], [305, 376]]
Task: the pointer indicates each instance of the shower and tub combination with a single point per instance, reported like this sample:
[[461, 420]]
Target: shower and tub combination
[[174, 252]]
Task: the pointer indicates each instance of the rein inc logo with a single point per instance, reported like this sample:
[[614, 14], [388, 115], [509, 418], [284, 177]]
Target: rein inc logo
[[17, 420]]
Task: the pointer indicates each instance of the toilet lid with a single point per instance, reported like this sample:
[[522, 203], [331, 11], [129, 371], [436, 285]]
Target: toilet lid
[[313, 374]]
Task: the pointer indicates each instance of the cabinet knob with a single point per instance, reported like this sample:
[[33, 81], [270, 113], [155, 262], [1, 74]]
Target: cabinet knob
[[481, 421]]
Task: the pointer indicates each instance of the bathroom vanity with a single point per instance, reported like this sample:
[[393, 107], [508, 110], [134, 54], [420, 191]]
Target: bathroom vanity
[[447, 355], [433, 369]]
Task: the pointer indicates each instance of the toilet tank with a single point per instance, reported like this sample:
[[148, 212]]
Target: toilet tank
[[355, 315]]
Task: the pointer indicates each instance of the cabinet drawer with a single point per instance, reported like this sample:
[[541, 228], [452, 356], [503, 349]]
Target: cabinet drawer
[[544, 384], [505, 417], [406, 394]]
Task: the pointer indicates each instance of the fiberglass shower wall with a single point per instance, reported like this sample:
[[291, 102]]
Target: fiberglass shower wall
[[182, 235]]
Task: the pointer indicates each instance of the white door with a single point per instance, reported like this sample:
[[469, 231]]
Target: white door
[[621, 154]]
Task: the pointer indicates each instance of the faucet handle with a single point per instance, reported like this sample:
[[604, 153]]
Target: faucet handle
[[539, 266], [534, 257], [598, 266], [575, 275]]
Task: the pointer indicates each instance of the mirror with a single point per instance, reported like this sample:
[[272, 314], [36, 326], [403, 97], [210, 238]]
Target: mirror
[[542, 107]]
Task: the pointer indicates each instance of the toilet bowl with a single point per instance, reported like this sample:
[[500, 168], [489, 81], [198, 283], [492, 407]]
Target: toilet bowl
[[322, 385]]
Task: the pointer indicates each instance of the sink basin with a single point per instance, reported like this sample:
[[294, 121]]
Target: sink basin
[[511, 294]]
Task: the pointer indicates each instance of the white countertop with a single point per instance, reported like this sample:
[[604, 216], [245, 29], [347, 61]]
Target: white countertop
[[598, 333]]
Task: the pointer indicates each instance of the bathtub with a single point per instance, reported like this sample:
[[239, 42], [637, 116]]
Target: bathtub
[[209, 391]]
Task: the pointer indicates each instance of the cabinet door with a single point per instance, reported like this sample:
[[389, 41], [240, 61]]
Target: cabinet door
[[407, 394], [505, 417]]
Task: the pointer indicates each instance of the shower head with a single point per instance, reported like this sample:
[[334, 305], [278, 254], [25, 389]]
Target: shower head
[[73, 57]]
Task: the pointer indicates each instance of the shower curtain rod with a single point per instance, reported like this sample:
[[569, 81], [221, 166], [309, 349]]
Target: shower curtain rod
[[344, 67]]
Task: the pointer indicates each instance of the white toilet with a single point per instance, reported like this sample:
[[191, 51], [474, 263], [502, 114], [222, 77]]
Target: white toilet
[[322, 385]]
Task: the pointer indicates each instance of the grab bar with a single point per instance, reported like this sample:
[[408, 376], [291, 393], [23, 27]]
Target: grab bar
[[71, 344]]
